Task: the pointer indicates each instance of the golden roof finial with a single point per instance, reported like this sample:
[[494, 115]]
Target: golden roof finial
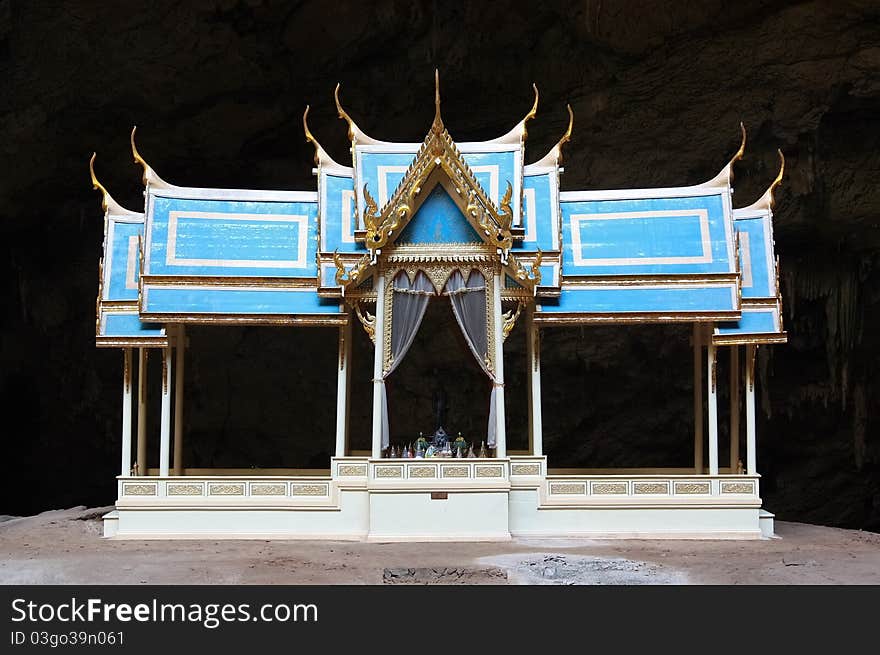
[[766, 201], [149, 177], [310, 137], [742, 145], [532, 112], [725, 176], [97, 185], [554, 157], [438, 120], [137, 156], [107, 202], [344, 114], [778, 179]]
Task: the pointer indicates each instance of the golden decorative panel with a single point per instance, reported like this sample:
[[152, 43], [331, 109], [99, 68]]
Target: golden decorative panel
[[226, 489], [185, 489], [488, 471], [456, 471], [648, 488], [139, 490], [692, 488], [311, 490], [525, 469], [609, 488], [568, 488], [351, 470], [423, 472], [389, 471], [737, 488], [268, 489]]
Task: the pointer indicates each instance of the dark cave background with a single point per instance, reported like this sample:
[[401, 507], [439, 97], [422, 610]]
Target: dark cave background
[[658, 89]]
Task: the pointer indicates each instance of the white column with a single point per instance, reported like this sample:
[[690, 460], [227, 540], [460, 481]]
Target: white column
[[178, 401], [142, 412], [712, 403], [751, 455], [343, 379], [734, 408], [500, 425], [533, 361], [165, 428], [698, 398], [126, 412], [378, 381]]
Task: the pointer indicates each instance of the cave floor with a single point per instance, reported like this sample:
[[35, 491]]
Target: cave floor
[[65, 547]]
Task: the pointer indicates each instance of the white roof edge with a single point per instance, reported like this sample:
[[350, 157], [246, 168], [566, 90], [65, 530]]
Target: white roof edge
[[627, 194], [200, 193]]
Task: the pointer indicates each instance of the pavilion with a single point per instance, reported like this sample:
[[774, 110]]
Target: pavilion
[[410, 223]]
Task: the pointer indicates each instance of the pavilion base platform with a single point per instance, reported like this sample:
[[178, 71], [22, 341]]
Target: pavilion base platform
[[388, 500]]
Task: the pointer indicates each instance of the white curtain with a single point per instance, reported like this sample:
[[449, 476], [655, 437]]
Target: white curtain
[[409, 302], [469, 300]]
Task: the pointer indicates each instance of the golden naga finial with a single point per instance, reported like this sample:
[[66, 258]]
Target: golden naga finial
[[725, 176], [310, 138], [107, 202], [567, 136], [554, 156], [97, 186], [767, 201], [742, 145], [505, 212], [344, 114], [510, 320], [137, 156], [149, 176], [532, 112], [778, 179]]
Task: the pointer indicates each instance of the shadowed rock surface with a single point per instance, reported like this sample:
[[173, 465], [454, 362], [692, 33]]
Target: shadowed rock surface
[[658, 89]]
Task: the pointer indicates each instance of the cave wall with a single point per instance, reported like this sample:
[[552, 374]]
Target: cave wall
[[217, 89]]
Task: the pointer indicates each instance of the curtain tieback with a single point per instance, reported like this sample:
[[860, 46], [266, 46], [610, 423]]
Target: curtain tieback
[[497, 384], [382, 380]]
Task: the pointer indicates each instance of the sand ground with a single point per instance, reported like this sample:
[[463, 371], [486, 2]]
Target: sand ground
[[65, 547]]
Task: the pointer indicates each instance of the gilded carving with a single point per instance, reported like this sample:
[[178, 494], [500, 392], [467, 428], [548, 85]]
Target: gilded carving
[[268, 489], [423, 472], [525, 469], [139, 490], [568, 489], [352, 470], [368, 321], [690, 488], [455, 471], [389, 471], [310, 490], [737, 488], [226, 489], [649, 488], [609, 488], [488, 471], [185, 489], [510, 320]]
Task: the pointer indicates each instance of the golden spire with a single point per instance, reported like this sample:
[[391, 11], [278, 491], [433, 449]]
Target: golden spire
[[437, 126], [149, 176]]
